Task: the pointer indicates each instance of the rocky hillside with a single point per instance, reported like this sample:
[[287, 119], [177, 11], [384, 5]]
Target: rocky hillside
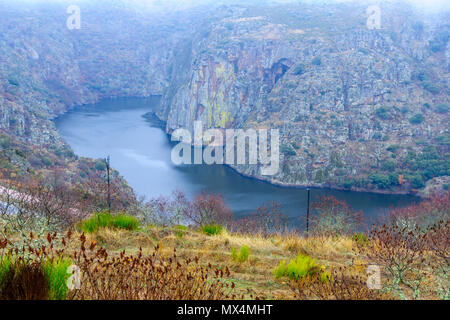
[[356, 108], [46, 69]]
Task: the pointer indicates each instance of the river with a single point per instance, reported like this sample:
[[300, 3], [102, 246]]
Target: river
[[140, 150]]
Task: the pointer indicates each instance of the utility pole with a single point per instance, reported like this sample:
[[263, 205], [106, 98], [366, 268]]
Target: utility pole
[[108, 179], [307, 212]]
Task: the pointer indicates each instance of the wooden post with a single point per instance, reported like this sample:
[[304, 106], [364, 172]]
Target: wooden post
[[109, 182], [307, 212]]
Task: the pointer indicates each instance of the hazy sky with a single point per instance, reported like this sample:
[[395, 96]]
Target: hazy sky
[[430, 5]]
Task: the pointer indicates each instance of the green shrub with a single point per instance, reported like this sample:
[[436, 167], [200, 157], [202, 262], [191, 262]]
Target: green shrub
[[57, 275], [299, 268], [431, 87], [22, 279], [377, 136], [360, 238], [298, 69], [393, 148], [46, 161], [20, 153], [107, 220], [180, 227], [212, 229], [363, 50], [13, 82], [100, 165], [417, 118], [442, 108], [383, 112], [348, 183], [389, 165], [240, 256], [417, 181], [180, 230], [382, 181], [317, 61], [6, 264], [421, 75], [5, 141], [287, 150], [16, 273], [444, 140], [338, 123]]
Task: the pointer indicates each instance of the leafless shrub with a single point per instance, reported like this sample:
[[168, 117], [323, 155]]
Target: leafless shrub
[[422, 215], [165, 211], [53, 200], [437, 242], [44, 203], [267, 220], [16, 209], [332, 217], [208, 209], [401, 254]]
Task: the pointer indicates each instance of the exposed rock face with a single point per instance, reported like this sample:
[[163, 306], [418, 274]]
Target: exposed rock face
[[356, 108], [339, 97], [49, 69], [46, 69]]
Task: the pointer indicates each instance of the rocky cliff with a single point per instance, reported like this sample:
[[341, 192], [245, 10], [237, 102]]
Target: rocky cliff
[[356, 108]]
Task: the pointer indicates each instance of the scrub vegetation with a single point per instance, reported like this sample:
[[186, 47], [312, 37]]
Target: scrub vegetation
[[199, 250]]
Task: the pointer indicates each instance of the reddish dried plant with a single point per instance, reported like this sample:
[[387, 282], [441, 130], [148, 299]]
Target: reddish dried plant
[[423, 215], [164, 211], [208, 209], [339, 286], [333, 217], [437, 243], [129, 277], [266, 221], [401, 254]]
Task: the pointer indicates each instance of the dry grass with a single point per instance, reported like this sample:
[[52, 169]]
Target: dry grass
[[113, 239], [254, 274]]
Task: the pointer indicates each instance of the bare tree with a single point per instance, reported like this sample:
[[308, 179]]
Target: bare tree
[[16, 209], [208, 209], [53, 200]]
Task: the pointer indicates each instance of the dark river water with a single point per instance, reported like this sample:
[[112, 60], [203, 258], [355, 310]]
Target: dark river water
[[140, 150]]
